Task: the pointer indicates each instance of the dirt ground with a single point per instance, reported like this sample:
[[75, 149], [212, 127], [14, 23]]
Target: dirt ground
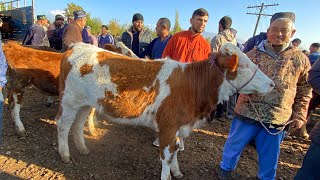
[[121, 152]]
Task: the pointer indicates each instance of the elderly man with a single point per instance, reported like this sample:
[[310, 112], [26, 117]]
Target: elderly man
[[37, 35], [156, 47], [264, 117], [73, 32], [136, 37], [53, 32]]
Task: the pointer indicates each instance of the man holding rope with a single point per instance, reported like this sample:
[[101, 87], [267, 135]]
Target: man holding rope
[[264, 117]]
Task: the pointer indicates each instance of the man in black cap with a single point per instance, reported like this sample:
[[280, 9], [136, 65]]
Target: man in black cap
[[73, 32], [136, 37], [53, 32], [265, 118], [37, 35]]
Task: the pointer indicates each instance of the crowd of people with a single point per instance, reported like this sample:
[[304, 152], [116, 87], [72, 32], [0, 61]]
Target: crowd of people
[[262, 118]]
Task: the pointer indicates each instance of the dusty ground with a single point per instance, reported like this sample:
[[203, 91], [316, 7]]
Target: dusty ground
[[120, 152]]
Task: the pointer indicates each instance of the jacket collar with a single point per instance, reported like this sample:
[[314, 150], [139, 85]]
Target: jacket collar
[[267, 48]]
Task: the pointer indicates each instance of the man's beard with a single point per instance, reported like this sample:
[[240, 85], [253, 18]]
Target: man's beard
[[196, 31], [137, 29]]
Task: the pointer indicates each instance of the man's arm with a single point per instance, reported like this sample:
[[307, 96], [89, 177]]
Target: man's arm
[[3, 68], [215, 44], [168, 50], [303, 94], [148, 50]]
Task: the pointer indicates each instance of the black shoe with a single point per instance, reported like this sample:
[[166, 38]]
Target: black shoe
[[224, 175]]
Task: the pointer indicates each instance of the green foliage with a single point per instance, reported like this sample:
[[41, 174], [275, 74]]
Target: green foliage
[[70, 8], [176, 27], [2, 7], [153, 31], [95, 24], [115, 27]]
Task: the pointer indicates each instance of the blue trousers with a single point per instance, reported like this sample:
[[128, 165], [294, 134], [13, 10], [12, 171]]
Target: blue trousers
[[1, 115], [310, 169], [267, 145]]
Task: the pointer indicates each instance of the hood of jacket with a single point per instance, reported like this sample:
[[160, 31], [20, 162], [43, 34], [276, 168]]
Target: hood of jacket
[[227, 34]]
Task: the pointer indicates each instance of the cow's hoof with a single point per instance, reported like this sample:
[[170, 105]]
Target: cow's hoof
[[84, 151], [22, 134], [178, 176], [66, 160], [156, 142]]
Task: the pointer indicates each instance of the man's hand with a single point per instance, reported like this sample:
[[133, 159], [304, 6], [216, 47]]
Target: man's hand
[[295, 125], [0, 88]]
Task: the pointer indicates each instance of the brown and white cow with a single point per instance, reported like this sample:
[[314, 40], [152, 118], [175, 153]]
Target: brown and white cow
[[27, 67], [121, 49], [166, 95], [36, 66]]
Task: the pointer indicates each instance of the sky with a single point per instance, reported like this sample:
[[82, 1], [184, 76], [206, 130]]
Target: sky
[[307, 20]]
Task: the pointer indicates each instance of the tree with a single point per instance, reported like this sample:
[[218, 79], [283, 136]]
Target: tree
[[115, 27], [70, 8], [176, 27], [94, 23]]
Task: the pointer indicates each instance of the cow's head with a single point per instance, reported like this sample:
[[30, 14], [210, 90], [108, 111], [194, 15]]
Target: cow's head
[[121, 49], [242, 74]]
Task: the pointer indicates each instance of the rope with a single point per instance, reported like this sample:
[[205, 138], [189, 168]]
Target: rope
[[260, 121]]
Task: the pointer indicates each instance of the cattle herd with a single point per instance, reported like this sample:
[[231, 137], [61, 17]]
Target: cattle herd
[[170, 97]]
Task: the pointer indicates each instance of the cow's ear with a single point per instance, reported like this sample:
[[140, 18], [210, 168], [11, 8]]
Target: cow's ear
[[232, 62]]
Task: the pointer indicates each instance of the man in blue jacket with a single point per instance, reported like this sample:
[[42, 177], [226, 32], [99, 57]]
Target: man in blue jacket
[[105, 37], [156, 47], [311, 161], [136, 37], [314, 52], [3, 81]]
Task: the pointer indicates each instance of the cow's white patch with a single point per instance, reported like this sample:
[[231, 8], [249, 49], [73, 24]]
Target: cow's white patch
[[15, 114], [91, 86], [125, 50], [147, 118], [165, 174]]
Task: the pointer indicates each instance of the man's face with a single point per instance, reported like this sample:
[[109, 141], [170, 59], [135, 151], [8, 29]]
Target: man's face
[[312, 49], [296, 44], [198, 23], [280, 32], [83, 22], [104, 30], [60, 22], [138, 25], [160, 29]]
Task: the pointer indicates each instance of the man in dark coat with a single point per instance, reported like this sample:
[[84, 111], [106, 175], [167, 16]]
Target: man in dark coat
[[36, 34]]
